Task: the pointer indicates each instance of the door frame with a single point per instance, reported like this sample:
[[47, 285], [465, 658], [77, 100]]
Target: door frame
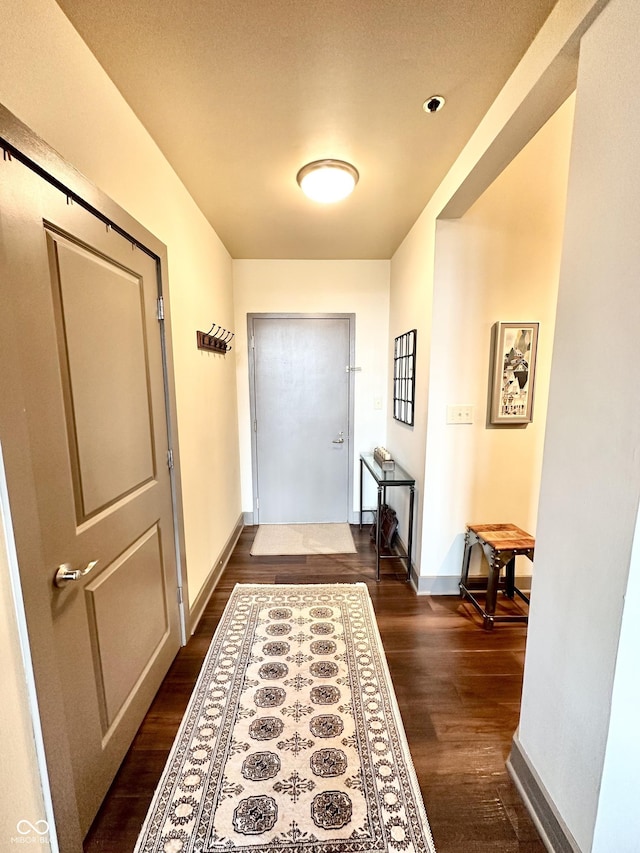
[[19, 143], [351, 516]]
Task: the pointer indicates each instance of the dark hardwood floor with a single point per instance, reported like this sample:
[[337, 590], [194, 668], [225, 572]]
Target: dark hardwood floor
[[458, 688]]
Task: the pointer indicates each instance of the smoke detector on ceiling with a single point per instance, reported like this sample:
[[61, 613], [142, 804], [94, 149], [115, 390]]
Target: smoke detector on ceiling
[[433, 104]]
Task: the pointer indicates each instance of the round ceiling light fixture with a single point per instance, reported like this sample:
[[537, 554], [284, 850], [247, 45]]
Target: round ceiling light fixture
[[327, 181]]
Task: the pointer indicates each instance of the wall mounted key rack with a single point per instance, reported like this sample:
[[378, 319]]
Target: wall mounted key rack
[[216, 339]]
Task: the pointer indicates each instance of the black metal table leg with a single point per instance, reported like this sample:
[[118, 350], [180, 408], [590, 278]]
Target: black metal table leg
[[492, 590], [361, 467], [410, 535], [466, 560], [510, 578], [378, 532]]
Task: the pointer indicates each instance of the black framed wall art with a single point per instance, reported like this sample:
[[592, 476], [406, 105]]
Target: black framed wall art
[[404, 377], [515, 347]]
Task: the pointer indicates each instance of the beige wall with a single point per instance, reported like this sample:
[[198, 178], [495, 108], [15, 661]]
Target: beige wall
[[617, 819], [590, 490], [358, 287], [537, 88], [410, 308], [501, 261], [22, 797], [51, 81]]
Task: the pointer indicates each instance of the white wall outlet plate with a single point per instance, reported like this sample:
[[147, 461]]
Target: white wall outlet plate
[[460, 413]]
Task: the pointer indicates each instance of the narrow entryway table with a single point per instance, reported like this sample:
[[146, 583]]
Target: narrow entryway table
[[385, 480]]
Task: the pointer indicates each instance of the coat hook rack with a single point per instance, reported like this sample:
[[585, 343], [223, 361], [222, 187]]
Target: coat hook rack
[[216, 339]]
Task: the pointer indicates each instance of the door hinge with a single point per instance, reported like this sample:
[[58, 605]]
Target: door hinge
[[160, 308], [170, 459], [180, 598], [257, 503], [255, 426], [253, 341]]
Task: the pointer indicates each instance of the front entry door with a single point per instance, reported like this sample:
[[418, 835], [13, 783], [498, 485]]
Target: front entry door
[[301, 423], [84, 303]]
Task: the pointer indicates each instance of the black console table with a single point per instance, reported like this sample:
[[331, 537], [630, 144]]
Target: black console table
[[384, 480]]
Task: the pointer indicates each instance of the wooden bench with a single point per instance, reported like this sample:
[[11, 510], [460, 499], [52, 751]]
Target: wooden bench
[[501, 544]]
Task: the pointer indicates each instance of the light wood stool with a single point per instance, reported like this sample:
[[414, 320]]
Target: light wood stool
[[501, 544]]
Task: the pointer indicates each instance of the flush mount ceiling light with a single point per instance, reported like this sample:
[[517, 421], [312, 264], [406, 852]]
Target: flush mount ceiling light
[[327, 181]]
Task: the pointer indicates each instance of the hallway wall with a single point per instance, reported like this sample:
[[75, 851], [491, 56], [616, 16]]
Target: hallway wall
[[540, 84], [500, 261], [618, 798], [359, 287], [577, 653], [22, 795], [50, 80]]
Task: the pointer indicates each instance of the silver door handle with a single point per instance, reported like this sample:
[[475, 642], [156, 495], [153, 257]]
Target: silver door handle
[[65, 573], [339, 440]]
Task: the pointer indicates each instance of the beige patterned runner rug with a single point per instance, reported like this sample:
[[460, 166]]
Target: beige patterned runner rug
[[292, 741]]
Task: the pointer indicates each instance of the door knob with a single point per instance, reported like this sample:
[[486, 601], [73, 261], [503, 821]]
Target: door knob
[[65, 573], [340, 439]]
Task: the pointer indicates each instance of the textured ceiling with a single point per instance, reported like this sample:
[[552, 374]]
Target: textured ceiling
[[239, 95]]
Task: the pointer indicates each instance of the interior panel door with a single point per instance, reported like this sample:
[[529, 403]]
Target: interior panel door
[[86, 306], [301, 385]]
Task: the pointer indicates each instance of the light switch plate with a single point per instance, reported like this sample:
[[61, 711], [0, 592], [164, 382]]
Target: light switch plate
[[460, 413]]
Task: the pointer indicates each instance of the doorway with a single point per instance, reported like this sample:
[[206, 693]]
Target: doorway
[[301, 389]]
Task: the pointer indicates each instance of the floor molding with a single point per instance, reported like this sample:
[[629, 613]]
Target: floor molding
[[553, 830], [354, 518], [436, 584], [449, 584], [202, 599]]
